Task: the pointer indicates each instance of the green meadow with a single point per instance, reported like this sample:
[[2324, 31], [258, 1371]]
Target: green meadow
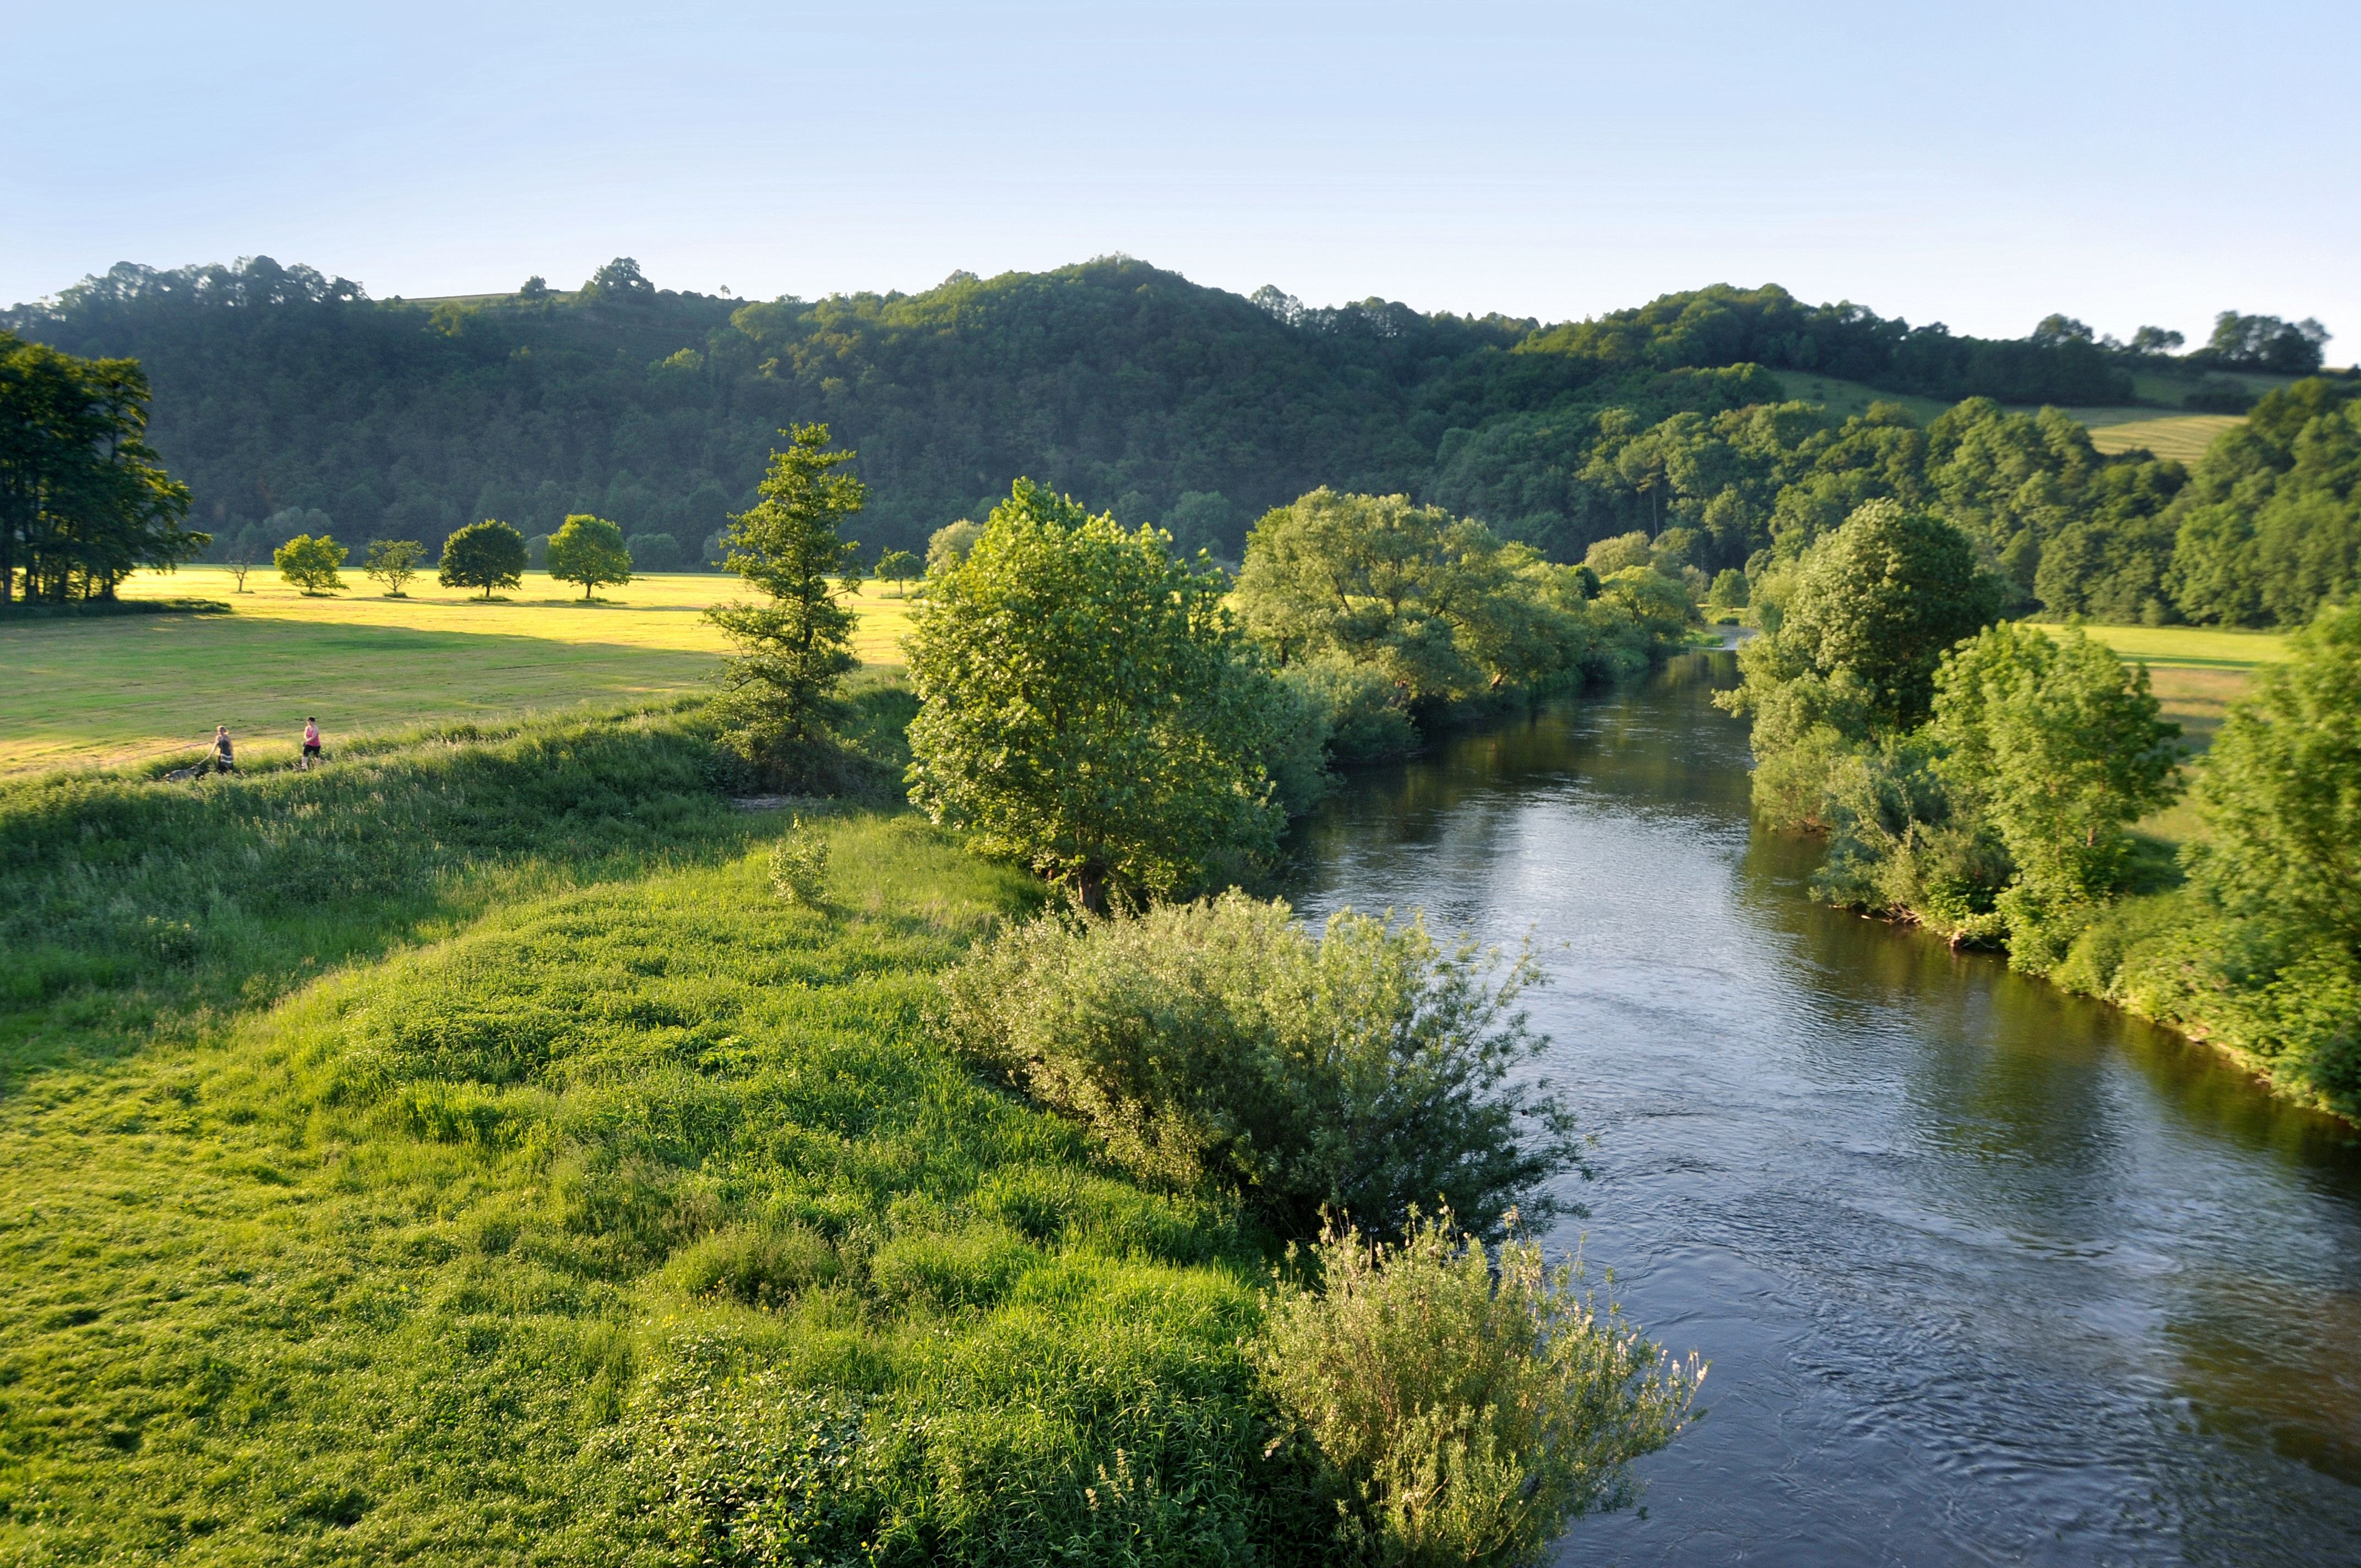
[[117, 691], [448, 1157]]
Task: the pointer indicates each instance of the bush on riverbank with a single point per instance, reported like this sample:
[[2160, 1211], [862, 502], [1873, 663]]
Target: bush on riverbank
[[1358, 1072], [1464, 1407]]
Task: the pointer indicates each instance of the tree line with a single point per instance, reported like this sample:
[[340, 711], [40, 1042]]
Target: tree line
[[1981, 777], [284, 389]]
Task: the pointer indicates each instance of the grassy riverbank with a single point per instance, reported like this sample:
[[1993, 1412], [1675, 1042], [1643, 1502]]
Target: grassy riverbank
[[121, 690], [432, 1157]]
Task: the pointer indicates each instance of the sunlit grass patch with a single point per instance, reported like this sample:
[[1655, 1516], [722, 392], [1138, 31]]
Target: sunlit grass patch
[[126, 689]]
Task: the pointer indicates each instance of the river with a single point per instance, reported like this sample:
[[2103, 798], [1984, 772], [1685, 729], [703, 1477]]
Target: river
[[1986, 1274]]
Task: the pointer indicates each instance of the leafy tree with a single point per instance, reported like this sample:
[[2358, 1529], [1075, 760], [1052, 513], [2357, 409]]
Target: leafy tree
[[897, 567], [311, 563], [83, 500], [2050, 741], [394, 562], [2270, 528], [2265, 342], [948, 546], [1462, 1407], [2280, 792], [1879, 601], [1439, 606], [1088, 708], [589, 551], [793, 651], [488, 554]]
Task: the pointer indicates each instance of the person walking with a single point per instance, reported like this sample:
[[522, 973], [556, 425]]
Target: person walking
[[311, 743], [224, 757]]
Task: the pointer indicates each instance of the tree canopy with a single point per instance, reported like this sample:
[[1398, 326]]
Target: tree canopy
[[589, 550], [1088, 708], [84, 502], [1114, 381], [488, 554]]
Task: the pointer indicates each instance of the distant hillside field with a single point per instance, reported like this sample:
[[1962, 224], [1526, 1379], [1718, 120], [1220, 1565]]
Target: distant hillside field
[[2182, 437], [130, 689]]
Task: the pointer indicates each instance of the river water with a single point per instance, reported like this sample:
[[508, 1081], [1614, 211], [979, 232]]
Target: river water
[[1985, 1274]]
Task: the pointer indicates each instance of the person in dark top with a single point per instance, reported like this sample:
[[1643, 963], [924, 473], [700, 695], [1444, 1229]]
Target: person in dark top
[[225, 759]]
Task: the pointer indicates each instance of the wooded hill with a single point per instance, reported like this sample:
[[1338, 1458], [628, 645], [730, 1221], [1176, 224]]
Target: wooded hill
[[277, 387]]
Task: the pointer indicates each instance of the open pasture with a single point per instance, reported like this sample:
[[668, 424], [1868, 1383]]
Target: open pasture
[[134, 688], [2195, 671]]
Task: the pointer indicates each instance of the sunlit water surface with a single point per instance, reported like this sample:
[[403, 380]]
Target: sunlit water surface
[[1986, 1274]]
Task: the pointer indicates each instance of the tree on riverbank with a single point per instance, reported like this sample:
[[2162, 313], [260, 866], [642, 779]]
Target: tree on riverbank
[[1088, 708]]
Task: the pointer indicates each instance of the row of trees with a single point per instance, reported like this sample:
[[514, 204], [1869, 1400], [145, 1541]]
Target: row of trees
[[1977, 778], [1981, 779], [491, 555], [84, 502]]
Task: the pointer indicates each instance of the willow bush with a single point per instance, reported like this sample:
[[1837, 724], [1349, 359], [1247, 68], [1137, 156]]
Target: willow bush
[[1364, 1069], [1464, 1405]]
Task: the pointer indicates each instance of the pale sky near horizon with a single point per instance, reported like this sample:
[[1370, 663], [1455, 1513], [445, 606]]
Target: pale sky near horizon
[[2126, 164]]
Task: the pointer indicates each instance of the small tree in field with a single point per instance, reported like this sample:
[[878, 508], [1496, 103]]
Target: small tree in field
[[1088, 707], [794, 650], [311, 563], [488, 554], [240, 562], [394, 562], [897, 567], [589, 551]]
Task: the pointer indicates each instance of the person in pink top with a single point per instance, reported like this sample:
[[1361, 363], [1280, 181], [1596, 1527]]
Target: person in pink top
[[311, 743]]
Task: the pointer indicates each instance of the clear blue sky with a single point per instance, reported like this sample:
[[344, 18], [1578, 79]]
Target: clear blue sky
[[1982, 165]]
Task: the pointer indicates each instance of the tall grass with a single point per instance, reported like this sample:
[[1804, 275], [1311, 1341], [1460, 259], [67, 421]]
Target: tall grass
[[468, 1155]]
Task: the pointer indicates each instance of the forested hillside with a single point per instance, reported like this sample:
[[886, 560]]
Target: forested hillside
[[277, 388]]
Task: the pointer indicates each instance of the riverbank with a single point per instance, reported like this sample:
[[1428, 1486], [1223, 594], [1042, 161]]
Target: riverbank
[[1916, 1207]]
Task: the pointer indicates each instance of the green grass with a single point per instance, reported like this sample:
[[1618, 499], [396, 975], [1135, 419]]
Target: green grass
[[127, 690], [464, 1155]]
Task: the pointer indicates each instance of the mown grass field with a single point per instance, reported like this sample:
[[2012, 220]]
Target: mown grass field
[[465, 1156], [114, 691], [2183, 437]]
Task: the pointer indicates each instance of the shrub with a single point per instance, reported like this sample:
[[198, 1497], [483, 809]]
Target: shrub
[[799, 866], [1364, 1069], [1462, 1416]]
